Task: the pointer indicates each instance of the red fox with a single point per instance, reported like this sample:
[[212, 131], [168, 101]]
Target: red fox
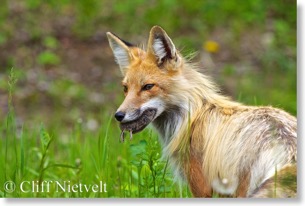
[[216, 145]]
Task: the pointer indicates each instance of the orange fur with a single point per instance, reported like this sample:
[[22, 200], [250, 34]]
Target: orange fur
[[197, 182]]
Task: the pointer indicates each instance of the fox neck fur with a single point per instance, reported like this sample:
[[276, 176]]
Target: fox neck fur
[[223, 138]]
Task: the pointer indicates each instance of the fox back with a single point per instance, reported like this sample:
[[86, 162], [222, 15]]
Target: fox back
[[214, 143]]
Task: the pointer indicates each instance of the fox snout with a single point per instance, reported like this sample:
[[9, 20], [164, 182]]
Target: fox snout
[[128, 115], [119, 116], [135, 118], [135, 121], [131, 111]]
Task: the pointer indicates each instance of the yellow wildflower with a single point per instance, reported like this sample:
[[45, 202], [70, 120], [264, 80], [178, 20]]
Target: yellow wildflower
[[211, 46]]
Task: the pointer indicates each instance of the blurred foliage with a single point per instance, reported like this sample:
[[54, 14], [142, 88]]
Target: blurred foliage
[[272, 24], [68, 80], [48, 58]]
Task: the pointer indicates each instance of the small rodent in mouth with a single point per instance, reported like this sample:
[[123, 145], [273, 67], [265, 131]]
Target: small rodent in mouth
[[140, 123]]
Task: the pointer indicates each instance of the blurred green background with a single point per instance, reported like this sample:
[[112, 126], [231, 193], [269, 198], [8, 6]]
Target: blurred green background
[[68, 86]]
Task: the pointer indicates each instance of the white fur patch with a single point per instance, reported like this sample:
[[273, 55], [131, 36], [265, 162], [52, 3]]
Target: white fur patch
[[225, 185], [121, 56], [159, 49], [130, 116], [268, 162], [154, 103]]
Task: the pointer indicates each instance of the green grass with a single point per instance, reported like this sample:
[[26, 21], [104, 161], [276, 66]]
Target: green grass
[[130, 169]]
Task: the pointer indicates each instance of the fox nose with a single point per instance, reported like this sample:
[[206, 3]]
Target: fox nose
[[119, 116]]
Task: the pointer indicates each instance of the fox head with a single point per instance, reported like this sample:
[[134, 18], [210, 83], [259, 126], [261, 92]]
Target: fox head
[[147, 78]]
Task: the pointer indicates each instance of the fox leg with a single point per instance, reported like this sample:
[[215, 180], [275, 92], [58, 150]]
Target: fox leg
[[244, 181], [197, 182]]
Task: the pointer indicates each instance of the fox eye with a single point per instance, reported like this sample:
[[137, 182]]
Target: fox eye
[[125, 88], [147, 87]]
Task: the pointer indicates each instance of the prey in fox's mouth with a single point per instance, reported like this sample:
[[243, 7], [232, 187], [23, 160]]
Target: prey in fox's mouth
[[137, 125]]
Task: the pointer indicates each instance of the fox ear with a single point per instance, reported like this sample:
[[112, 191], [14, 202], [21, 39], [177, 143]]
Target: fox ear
[[120, 50], [162, 47]]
